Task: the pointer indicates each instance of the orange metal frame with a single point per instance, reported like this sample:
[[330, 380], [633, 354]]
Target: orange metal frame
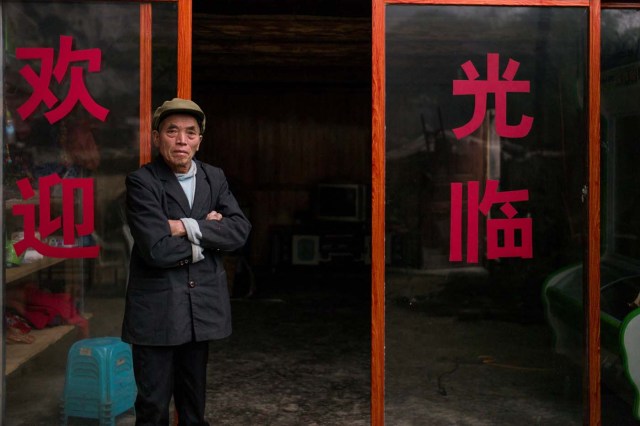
[[592, 397], [183, 59], [184, 65]]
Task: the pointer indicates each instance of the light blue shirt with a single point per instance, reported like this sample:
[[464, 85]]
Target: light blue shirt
[[188, 183]]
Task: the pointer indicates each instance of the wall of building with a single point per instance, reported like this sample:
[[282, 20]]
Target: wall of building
[[276, 144]]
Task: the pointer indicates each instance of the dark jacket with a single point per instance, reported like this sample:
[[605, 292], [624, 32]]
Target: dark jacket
[[171, 300]]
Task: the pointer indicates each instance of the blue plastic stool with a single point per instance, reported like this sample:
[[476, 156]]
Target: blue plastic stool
[[99, 383]]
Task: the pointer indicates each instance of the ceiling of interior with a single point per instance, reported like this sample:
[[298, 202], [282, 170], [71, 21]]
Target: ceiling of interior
[[280, 42], [354, 8]]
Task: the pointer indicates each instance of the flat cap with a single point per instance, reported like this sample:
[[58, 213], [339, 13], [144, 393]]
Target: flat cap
[[178, 106]]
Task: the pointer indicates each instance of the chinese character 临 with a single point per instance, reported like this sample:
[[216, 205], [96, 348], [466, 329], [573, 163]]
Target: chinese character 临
[[516, 233], [40, 83], [48, 225], [481, 88]]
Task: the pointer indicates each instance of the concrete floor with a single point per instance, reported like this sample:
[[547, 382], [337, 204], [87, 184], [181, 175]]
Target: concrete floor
[[300, 355]]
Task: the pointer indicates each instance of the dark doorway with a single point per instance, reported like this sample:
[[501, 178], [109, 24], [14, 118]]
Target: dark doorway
[[286, 86]]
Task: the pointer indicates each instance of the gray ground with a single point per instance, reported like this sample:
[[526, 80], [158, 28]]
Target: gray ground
[[300, 355]]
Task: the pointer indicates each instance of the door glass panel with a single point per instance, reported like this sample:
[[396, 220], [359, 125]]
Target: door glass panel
[[486, 141], [620, 265], [71, 134], [165, 51]]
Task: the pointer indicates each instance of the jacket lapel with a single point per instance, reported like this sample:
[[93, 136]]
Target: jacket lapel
[[171, 185], [202, 198]]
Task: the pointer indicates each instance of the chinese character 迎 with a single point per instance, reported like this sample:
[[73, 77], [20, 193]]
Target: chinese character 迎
[[48, 225]]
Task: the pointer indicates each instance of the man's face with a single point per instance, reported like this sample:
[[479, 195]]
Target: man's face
[[178, 139]]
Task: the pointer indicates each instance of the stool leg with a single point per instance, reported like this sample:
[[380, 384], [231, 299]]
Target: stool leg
[[63, 415], [107, 418]]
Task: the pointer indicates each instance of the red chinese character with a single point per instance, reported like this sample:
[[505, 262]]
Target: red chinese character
[[510, 228], [77, 89], [500, 88], [48, 225]]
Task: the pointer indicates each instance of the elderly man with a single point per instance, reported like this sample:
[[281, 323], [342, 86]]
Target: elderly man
[[182, 217]]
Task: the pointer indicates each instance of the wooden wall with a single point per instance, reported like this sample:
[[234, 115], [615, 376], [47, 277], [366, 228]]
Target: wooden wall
[[275, 144]]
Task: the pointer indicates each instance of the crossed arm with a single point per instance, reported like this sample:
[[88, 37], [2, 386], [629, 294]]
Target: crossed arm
[[178, 229]]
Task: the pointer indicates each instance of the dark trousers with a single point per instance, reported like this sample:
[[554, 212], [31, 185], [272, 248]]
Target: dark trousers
[[163, 371]]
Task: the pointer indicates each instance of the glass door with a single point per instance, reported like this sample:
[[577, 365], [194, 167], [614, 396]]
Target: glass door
[[620, 265], [77, 98], [486, 142]]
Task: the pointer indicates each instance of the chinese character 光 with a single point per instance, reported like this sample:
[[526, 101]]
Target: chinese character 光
[[481, 88]]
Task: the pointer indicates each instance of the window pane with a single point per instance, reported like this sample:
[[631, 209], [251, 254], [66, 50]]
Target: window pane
[[620, 266], [165, 51], [85, 55], [486, 142]]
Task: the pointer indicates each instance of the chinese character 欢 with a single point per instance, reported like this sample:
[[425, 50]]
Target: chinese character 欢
[[78, 91]]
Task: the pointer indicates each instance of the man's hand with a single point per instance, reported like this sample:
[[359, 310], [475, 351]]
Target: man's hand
[[177, 228], [214, 215]]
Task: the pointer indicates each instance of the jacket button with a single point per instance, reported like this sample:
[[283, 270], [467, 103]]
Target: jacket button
[[192, 284]]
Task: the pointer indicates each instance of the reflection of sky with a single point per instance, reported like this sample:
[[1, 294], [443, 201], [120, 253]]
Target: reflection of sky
[[620, 37], [622, 22], [426, 45], [398, 15]]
